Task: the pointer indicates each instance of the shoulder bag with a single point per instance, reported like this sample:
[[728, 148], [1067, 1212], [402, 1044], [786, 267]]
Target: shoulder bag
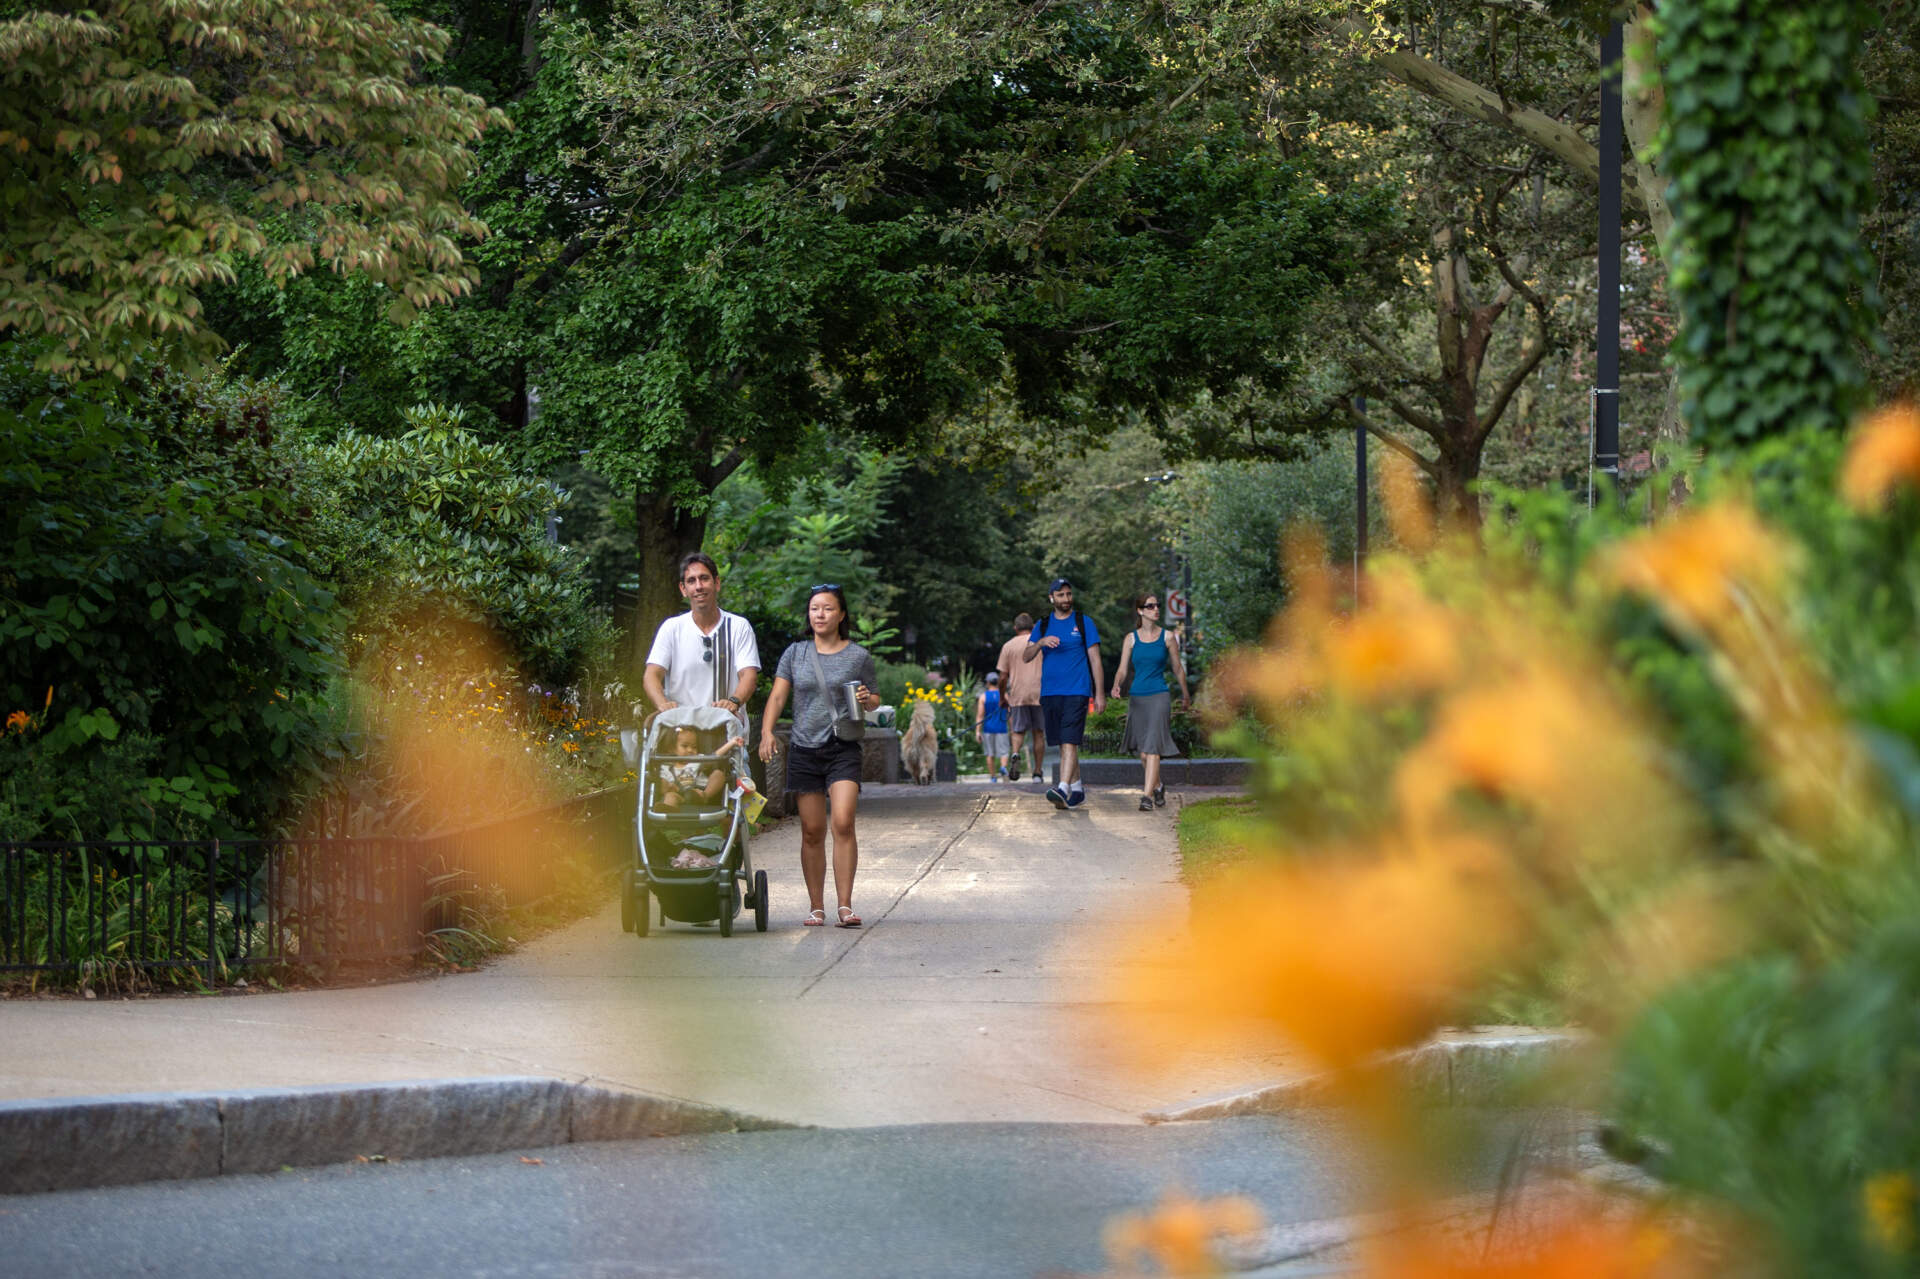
[[845, 728]]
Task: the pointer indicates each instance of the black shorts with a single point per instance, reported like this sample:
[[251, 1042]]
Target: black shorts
[[812, 770], [1066, 718]]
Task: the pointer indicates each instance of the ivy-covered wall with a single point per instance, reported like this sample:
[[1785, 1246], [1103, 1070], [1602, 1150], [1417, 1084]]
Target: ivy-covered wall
[[1766, 142]]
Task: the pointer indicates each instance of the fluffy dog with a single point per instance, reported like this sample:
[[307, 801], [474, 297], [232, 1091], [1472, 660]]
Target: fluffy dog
[[919, 746]]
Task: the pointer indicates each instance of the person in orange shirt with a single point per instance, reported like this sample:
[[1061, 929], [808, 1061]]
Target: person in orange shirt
[[1020, 691]]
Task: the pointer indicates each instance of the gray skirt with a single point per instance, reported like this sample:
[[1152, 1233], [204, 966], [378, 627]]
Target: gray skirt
[[1149, 719]]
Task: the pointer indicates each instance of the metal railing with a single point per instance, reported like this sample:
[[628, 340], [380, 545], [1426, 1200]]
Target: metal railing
[[220, 907]]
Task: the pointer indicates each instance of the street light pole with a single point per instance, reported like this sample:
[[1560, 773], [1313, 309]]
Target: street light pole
[[1605, 417]]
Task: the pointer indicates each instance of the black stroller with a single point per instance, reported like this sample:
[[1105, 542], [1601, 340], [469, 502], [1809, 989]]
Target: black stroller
[[693, 860]]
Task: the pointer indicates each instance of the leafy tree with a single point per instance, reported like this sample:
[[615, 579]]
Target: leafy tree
[[145, 147], [771, 551], [1047, 225], [1232, 517]]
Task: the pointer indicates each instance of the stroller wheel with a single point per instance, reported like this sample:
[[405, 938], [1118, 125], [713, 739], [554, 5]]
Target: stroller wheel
[[729, 905], [642, 906], [626, 902], [759, 901]]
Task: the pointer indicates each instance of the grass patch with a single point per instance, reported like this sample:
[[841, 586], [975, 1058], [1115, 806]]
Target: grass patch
[[1215, 834]]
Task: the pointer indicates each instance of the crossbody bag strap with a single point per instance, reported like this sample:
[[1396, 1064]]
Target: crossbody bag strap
[[820, 674]]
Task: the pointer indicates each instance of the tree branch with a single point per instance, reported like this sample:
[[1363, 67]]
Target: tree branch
[[1399, 362], [1550, 135], [1529, 361], [1393, 442]]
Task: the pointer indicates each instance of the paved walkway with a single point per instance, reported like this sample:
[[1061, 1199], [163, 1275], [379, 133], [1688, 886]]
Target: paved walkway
[[973, 994]]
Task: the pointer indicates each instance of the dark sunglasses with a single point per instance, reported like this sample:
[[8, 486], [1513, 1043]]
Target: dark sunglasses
[[824, 586], [1150, 604], [706, 654]]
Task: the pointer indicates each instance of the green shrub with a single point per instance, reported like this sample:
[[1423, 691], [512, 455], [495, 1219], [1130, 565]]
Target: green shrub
[[437, 544], [1791, 1095], [150, 591]]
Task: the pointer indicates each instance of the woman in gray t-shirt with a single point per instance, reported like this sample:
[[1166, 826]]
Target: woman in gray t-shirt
[[820, 765]]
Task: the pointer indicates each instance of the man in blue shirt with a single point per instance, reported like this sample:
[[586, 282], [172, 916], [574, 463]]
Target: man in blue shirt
[[1070, 674]]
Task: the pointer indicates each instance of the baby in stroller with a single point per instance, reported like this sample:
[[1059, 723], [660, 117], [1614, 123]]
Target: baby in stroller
[[695, 783]]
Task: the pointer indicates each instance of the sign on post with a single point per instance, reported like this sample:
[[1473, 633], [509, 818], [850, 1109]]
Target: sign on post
[[1177, 605]]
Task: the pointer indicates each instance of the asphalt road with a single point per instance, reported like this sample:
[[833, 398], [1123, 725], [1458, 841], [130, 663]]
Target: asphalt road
[[935, 1200]]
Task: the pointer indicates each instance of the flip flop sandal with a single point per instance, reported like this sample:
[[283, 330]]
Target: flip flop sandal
[[815, 919], [847, 918]]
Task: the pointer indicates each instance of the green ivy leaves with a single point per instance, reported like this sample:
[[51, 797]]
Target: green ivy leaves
[[1766, 140]]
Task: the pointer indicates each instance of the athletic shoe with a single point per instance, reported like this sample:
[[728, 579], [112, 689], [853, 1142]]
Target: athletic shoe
[[1146, 803], [1013, 772], [1076, 798], [1159, 797], [1057, 797]]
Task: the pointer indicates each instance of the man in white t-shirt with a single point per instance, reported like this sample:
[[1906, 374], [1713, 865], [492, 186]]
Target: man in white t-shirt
[[705, 656]]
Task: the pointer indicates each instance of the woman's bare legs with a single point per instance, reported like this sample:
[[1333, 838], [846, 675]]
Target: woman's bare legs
[[1150, 768], [846, 847], [813, 848]]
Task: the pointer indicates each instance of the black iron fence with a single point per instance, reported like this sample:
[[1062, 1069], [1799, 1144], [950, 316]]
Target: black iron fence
[[221, 907]]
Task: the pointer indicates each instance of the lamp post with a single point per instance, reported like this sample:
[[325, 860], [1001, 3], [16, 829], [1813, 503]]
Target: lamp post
[[1605, 415], [1186, 567]]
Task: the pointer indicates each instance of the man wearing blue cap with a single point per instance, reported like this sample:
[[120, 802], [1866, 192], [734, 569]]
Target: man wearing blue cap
[[1070, 674]]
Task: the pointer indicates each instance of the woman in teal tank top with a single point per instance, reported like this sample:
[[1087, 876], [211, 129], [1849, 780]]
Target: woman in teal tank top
[[1150, 653]]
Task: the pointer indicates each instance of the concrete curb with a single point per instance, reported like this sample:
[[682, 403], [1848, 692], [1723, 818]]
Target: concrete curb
[[1477, 1069], [70, 1143]]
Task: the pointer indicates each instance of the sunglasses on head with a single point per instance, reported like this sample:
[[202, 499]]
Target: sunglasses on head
[[824, 586]]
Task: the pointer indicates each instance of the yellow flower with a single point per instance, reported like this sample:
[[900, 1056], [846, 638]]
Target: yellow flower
[[1884, 453], [1889, 1200], [1180, 1232]]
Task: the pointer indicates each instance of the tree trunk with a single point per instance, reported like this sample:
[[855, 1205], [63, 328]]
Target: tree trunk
[[663, 532], [1641, 101]]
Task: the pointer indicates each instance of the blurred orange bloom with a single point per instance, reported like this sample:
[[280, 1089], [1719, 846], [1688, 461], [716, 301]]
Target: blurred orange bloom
[[1884, 453], [1402, 642], [1178, 1235], [19, 722], [1409, 512], [1345, 956], [1573, 1250], [1521, 739], [1694, 565]]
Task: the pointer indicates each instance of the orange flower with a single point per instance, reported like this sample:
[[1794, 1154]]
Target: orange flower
[[1179, 1234], [1570, 1250], [1345, 956], [1884, 453], [1401, 643], [19, 722], [1695, 566], [1409, 512]]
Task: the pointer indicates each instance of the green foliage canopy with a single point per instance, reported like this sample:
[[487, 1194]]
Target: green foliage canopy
[[145, 147]]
